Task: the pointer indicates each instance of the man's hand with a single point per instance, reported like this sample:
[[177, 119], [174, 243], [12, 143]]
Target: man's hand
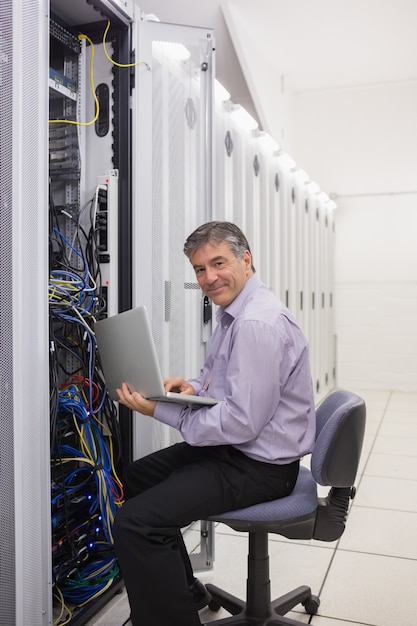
[[178, 385], [136, 401]]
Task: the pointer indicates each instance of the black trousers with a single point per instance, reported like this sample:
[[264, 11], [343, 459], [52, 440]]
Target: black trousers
[[165, 492]]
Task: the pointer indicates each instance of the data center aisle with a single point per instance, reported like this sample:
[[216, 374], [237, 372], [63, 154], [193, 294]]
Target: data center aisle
[[368, 577]]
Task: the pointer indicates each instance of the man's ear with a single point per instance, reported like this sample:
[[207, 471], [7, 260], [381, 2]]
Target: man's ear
[[247, 257]]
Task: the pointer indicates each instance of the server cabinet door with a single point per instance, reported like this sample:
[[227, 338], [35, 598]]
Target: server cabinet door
[[172, 109], [25, 543], [172, 191]]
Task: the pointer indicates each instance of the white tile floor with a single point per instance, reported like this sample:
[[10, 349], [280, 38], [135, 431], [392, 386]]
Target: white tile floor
[[369, 576]]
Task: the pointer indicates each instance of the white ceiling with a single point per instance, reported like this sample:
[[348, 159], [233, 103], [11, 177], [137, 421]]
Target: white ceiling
[[304, 44], [321, 44]]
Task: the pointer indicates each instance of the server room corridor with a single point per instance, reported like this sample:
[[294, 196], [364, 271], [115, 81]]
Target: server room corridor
[[366, 578]]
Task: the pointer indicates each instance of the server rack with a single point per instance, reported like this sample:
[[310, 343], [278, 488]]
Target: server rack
[[150, 185], [89, 174], [31, 84], [291, 224]]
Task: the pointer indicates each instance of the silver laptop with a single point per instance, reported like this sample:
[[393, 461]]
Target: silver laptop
[[128, 354]]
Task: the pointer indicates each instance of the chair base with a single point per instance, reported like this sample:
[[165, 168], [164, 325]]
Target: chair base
[[272, 617]]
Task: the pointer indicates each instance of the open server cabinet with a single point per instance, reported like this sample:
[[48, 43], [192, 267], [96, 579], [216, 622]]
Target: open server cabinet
[[106, 166]]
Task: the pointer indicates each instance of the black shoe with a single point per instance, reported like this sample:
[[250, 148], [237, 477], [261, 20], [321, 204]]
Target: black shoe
[[200, 594]]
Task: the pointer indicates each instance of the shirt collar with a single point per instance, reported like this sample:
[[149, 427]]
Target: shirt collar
[[243, 296]]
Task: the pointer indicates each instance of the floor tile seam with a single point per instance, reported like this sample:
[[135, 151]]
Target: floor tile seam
[[386, 477], [374, 438], [273, 537], [404, 405], [379, 554], [399, 455], [236, 533], [398, 440], [394, 411], [336, 620], [394, 454], [391, 421], [400, 412], [388, 508], [399, 435], [381, 508], [339, 550], [328, 568], [307, 543]]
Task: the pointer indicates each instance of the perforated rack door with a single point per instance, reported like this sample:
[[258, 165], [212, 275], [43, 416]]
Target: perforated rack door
[[172, 189], [25, 592], [7, 504], [172, 182]]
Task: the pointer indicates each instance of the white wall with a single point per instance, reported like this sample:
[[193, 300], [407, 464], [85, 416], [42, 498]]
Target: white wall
[[362, 145]]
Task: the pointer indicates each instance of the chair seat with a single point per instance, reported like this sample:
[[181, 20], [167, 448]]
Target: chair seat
[[300, 505]]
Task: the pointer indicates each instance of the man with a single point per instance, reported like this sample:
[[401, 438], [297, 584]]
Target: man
[[242, 451]]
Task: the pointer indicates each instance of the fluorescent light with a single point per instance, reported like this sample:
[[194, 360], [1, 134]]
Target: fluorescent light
[[220, 93], [243, 118], [331, 205]]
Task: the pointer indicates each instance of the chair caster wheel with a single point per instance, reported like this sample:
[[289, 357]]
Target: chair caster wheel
[[312, 605]]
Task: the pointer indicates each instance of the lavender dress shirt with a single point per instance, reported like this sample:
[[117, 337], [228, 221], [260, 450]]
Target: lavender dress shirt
[[257, 364]]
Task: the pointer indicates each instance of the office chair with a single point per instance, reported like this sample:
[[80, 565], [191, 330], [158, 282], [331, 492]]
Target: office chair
[[340, 430]]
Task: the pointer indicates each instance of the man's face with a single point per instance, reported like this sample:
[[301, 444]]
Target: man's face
[[220, 274]]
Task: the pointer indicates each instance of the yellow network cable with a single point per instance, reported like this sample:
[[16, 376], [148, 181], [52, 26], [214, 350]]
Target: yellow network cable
[[90, 455], [78, 459], [97, 104], [82, 36], [68, 285], [109, 57], [85, 449], [56, 296], [110, 441], [63, 608]]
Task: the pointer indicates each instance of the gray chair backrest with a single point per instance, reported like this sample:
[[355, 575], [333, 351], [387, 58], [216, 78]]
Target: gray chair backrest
[[340, 429]]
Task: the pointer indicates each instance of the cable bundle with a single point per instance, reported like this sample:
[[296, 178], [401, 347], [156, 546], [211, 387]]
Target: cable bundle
[[85, 440]]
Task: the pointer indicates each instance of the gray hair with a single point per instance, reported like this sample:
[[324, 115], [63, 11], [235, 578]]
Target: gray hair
[[218, 232]]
